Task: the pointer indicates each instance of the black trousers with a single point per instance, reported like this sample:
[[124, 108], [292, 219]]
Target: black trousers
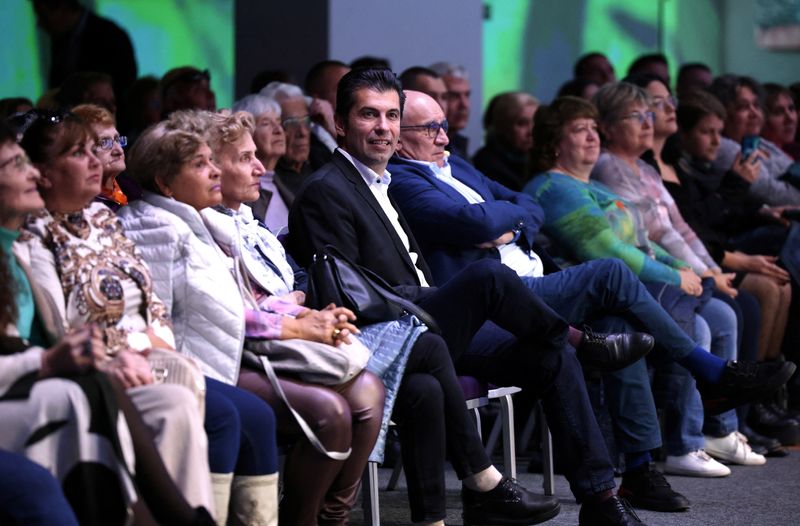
[[498, 331], [432, 416]]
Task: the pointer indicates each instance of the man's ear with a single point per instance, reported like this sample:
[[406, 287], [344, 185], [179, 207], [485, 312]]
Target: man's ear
[[339, 125], [399, 147], [162, 187]]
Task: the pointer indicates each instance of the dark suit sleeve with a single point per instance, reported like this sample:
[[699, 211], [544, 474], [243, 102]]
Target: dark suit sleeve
[[317, 219]]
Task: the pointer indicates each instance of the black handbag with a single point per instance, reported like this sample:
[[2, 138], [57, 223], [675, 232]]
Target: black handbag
[[332, 278]]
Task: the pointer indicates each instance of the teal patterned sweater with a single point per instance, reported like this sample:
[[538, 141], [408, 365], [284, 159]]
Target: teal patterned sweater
[[588, 221]]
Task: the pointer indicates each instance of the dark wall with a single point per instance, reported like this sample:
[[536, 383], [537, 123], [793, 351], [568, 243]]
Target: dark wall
[[278, 35]]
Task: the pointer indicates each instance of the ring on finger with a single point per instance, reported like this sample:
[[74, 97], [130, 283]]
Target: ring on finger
[[336, 333]]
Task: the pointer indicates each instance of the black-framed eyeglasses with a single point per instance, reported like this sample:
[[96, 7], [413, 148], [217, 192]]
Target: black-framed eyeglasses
[[661, 102], [640, 116], [294, 122], [106, 143], [431, 129]]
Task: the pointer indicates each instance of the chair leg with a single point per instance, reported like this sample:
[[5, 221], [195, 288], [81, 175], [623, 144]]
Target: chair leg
[[494, 436], [509, 446], [478, 422], [527, 431], [548, 482], [369, 495]]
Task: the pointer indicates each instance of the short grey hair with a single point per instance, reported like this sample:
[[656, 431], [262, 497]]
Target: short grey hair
[[450, 69], [256, 104], [280, 91], [613, 99]]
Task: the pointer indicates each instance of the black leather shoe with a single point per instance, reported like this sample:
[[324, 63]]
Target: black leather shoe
[[769, 423], [508, 503], [614, 511], [611, 352], [743, 382], [646, 487]]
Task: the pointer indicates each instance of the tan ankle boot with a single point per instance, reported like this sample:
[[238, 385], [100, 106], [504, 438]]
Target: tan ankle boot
[[221, 484], [254, 500]]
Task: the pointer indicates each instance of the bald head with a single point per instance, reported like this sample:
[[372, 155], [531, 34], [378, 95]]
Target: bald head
[[420, 106], [425, 140]]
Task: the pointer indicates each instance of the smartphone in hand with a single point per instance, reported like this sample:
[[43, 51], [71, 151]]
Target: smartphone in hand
[[750, 145]]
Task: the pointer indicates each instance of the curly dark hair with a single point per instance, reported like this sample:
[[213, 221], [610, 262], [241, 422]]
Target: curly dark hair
[[548, 128]]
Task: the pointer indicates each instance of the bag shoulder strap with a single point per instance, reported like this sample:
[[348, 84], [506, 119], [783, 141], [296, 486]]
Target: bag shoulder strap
[[310, 435]]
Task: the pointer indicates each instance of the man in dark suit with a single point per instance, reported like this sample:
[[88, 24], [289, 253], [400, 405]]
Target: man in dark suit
[[496, 328]]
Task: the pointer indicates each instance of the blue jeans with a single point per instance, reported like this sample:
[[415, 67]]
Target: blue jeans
[[676, 393], [604, 287], [721, 320], [30, 495], [589, 293]]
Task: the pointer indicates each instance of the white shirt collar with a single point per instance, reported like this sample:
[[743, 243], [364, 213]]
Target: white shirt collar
[[444, 170], [367, 173]]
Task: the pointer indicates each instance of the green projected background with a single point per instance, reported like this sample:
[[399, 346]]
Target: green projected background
[[532, 44], [165, 34]]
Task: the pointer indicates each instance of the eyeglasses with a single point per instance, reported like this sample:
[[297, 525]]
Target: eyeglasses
[[431, 129], [661, 102], [106, 143], [640, 117], [18, 162], [296, 122]]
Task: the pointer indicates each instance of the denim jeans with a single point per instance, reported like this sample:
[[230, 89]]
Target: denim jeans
[[604, 287], [676, 394], [721, 320], [589, 293]]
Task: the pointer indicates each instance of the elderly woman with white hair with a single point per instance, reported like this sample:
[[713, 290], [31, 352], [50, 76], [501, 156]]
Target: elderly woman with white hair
[[508, 122], [310, 130]]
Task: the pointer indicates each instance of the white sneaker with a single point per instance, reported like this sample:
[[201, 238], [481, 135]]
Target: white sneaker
[[695, 464], [734, 448]]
